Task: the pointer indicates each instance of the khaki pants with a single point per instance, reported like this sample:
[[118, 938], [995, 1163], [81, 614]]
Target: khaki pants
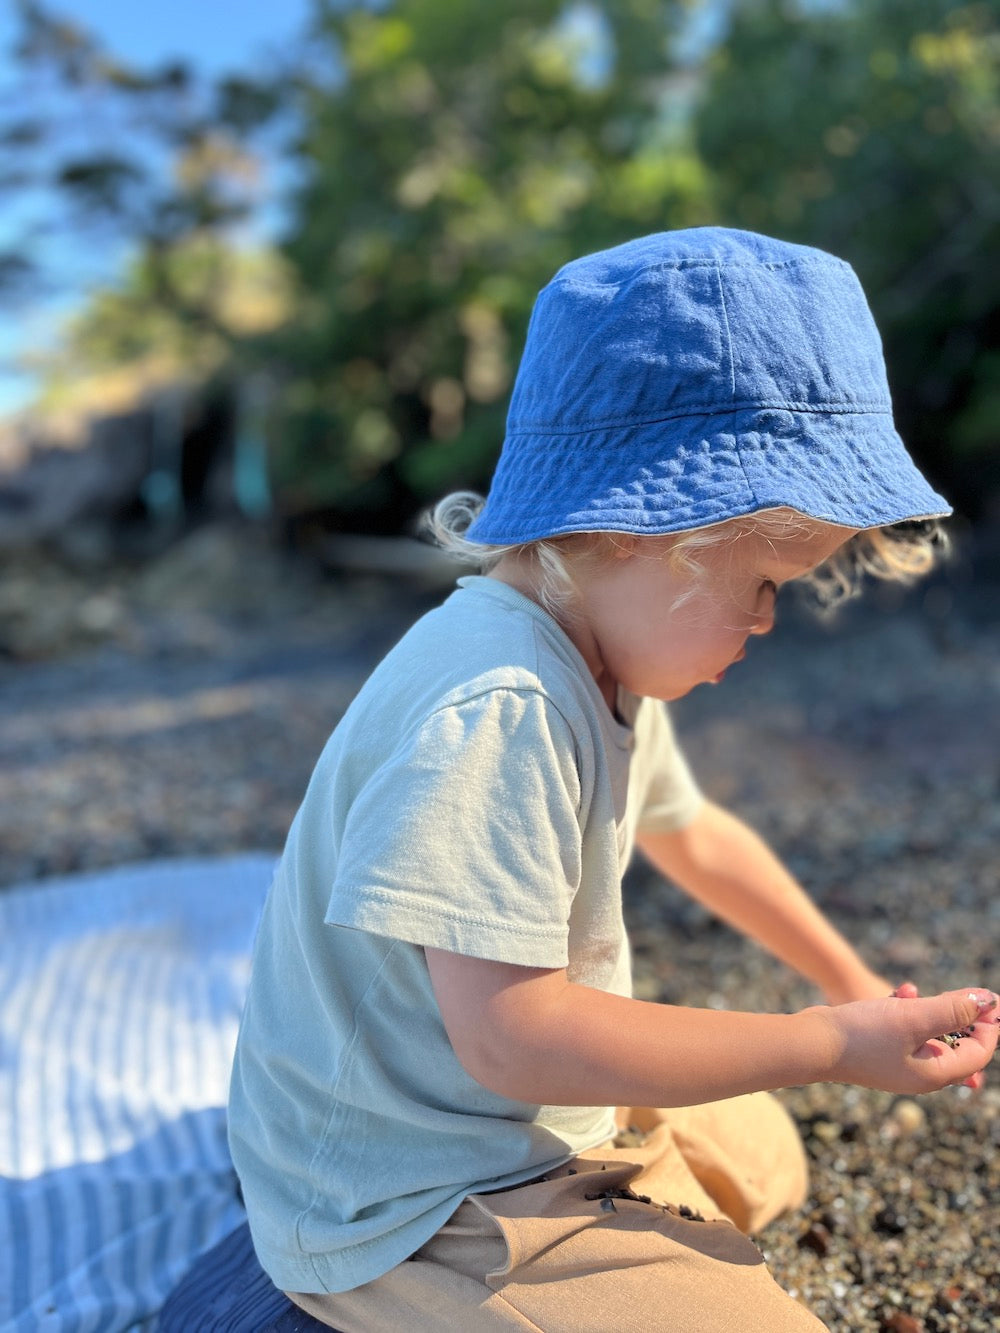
[[623, 1239]]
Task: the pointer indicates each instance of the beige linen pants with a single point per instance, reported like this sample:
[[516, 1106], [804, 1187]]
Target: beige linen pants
[[623, 1239]]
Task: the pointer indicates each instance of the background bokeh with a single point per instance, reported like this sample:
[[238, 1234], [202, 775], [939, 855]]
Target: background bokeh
[[261, 309], [338, 247]]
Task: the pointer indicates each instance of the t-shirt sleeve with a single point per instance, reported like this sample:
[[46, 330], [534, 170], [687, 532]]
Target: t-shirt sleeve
[[669, 794], [468, 837]]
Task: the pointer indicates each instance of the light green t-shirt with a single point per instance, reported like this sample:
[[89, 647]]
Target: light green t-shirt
[[478, 796]]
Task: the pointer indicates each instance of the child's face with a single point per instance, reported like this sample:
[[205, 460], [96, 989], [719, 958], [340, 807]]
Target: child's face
[[631, 631]]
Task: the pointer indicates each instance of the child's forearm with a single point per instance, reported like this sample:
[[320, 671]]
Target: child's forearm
[[603, 1049], [725, 865], [533, 1035]]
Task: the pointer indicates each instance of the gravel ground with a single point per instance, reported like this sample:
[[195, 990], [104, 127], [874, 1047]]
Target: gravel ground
[[179, 709]]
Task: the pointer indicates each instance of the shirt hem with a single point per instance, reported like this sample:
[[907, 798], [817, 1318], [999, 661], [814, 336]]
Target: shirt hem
[[365, 1261]]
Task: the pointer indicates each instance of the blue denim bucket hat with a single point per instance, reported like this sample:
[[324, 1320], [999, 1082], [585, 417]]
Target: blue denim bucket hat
[[694, 376]]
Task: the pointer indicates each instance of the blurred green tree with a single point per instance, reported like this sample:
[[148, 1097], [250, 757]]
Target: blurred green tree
[[450, 156], [187, 314], [454, 155], [872, 128]]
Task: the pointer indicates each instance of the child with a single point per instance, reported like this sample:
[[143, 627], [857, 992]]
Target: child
[[439, 1025]]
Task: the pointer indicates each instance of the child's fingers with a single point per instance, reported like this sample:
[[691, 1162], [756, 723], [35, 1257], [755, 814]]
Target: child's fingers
[[907, 990], [964, 1037], [897, 1045], [940, 1066], [962, 1064], [951, 1011], [976, 1080]]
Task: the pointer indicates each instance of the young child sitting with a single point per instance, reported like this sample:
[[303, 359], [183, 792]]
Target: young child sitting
[[440, 1045]]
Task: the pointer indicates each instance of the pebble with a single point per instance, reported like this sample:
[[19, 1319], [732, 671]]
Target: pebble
[[908, 1117], [949, 1298], [890, 1222], [826, 1131], [817, 1238], [898, 1322]]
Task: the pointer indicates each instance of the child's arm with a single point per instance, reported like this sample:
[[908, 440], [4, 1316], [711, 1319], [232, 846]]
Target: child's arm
[[722, 863], [531, 1034]]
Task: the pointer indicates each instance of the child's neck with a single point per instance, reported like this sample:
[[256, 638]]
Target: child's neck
[[516, 575]]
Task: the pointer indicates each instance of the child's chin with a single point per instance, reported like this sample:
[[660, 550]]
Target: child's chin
[[668, 696]]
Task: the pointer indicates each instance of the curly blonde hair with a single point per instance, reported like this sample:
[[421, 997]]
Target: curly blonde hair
[[902, 552]]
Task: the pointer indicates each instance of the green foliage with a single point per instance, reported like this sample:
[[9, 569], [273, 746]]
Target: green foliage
[[462, 154], [872, 129], [188, 313], [451, 155]]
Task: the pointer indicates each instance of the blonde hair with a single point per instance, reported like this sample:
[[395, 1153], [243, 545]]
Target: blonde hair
[[901, 552], [448, 521]]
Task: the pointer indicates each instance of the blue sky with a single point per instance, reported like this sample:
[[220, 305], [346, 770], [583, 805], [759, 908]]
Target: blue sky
[[216, 36]]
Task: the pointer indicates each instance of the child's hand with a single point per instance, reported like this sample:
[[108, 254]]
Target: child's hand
[[906, 990], [890, 1043]]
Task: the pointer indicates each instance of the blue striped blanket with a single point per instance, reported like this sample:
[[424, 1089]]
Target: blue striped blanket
[[120, 995]]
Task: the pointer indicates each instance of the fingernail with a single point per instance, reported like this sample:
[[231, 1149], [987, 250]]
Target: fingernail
[[984, 999]]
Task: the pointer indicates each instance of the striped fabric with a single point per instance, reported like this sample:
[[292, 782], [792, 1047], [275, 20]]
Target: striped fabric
[[227, 1291], [120, 994]]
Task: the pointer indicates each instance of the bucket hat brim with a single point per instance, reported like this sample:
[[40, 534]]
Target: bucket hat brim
[[850, 469]]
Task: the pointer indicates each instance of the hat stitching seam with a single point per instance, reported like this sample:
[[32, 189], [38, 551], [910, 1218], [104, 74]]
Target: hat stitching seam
[[734, 412], [832, 409], [572, 280], [729, 336]]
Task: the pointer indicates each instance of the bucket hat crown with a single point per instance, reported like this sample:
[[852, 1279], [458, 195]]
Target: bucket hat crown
[[694, 376]]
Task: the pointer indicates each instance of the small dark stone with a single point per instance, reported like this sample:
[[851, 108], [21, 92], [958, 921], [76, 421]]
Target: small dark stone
[[889, 1222], [817, 1239]]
